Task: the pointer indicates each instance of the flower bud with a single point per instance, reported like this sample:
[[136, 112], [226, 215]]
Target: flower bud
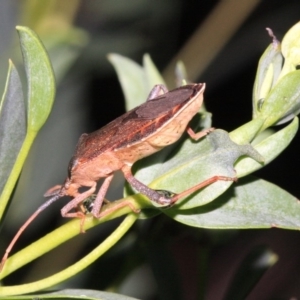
[[276, 93]]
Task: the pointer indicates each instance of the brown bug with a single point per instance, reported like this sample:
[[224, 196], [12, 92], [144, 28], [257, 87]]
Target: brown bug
[[144, 130]]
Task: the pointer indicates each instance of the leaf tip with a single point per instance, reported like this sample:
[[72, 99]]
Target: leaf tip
[[22, 28]]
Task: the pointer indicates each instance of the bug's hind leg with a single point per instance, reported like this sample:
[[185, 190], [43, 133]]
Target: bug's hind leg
[[199, 186], [142, 188], [166, 198]]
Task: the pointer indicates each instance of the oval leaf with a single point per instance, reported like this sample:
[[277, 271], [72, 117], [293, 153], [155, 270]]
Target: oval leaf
[[268, 70], [40, 77], [152, 75], [132, 79], [12, 123], [283, 102], [196, 162], [251, 203]]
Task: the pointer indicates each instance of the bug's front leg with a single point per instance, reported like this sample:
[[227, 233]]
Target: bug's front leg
[[74, 203], [78, 201]]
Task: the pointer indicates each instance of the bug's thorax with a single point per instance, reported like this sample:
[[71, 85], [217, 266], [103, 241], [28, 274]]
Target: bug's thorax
[[84, 173]]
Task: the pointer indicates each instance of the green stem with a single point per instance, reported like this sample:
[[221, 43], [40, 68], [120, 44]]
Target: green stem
[[64, 233], [75, 268], [15, 173]]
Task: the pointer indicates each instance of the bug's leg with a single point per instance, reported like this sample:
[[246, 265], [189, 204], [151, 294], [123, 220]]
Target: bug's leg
[[82, 210], [198, 135], [100, 198], [81, 216], [199, 186], [117, 207], [162, 197], [142, 188], [74, 203], [157, 90]]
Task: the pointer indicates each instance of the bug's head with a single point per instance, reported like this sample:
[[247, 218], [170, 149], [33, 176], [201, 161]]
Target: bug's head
[[69, 188]]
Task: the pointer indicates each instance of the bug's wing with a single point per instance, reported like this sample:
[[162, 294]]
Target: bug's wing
[[135, 125], [117, 134]]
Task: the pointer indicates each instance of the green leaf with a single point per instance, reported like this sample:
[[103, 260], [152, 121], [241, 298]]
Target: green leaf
[[268, 71], [152, 75], [132, 79], [149, 168], [41, 90], [291, 49], [40, 78], [198, 161], [251, 203], [195, 162], [74, 294], [136, 81], [181, 74], [12, 123], [283, 102]]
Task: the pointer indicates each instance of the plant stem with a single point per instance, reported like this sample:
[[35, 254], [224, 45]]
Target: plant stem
[[75, 268], [61, 235]]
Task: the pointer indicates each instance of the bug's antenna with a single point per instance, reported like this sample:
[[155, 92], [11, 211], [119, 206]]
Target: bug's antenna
[[25, 225]]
